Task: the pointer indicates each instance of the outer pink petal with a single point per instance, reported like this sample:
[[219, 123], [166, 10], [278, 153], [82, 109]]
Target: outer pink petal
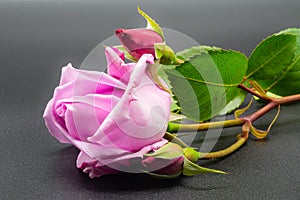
[[140, 117], [97, 161], [72, 95], [54, 126], [76, 82], [92, 166], [83, 115], [116, 66]]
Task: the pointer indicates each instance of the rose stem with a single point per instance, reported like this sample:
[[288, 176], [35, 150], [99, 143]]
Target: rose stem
[[251, 91], [218, 154], [174, 127]]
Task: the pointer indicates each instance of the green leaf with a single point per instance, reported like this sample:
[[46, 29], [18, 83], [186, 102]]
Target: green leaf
[[151, 23], [162, 74], [295, 31], [174, 105], [275, 63], [192, 169], [168, 151], [234, 104], [271, 56], [288, 83], [186, 54], [153, 72], [206, 83]]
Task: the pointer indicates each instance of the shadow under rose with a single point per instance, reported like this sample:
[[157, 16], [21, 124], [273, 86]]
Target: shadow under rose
[[66, 171], [125, 182]]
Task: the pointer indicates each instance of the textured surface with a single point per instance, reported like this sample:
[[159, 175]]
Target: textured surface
[[37, 38]]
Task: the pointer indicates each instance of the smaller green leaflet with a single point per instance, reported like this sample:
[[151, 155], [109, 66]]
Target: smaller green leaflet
[[275, 63]]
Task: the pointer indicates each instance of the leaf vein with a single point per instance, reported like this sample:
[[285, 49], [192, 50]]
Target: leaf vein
[[283, 73], [205, 82], [262, 65]]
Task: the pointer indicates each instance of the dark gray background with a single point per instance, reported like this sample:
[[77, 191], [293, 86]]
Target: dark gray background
[[38, 37]]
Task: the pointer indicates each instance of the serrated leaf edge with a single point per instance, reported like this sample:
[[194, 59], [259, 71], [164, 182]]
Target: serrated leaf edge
[[259, 67]]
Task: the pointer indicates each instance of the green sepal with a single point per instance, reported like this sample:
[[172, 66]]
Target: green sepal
[[127, 55], [151, 23], [171, 137], [192, 169], [191, 154], [168, 151], [166, 55]]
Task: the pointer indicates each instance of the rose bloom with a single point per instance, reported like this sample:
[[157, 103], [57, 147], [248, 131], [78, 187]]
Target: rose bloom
[[114, 118]]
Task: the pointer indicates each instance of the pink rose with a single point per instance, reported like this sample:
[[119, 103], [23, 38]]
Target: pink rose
[[139, 41], [114, 119]]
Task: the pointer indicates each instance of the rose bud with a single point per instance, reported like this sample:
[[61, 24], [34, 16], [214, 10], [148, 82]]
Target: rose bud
[[139, 41], [173, 168], [165, 162], [164, 166]]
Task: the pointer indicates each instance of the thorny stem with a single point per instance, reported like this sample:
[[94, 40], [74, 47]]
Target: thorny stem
[[248, 120]]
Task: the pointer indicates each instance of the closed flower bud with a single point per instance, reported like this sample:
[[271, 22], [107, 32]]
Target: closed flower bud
[[162, 166], [139, 41], [174, 168]]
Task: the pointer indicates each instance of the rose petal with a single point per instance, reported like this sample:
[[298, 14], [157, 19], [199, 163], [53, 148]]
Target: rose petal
[[76, 84], [121, 128], [116, 67]]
